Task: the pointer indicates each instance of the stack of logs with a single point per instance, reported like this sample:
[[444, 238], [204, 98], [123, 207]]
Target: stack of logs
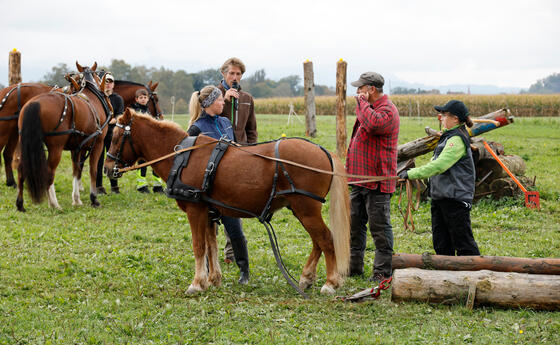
[[491, 179], [477, 280]]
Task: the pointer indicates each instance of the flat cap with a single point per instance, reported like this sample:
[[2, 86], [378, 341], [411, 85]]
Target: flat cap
[[369, 78]]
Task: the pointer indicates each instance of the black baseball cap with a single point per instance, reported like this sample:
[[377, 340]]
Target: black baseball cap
[[369, 78], [456, 108]]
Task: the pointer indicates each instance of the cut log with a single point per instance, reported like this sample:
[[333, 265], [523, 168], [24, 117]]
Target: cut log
[[508, 290], [514, 163], [476, 263]]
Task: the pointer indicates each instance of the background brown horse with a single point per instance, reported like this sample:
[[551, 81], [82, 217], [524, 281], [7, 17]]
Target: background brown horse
[[12, 100], [62, 122], [244, 180], [127, 90]]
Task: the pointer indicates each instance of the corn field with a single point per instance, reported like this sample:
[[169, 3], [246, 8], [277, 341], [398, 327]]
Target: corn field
[[523, 105]]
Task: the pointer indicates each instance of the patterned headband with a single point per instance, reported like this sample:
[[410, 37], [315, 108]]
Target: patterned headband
[[213, 96]]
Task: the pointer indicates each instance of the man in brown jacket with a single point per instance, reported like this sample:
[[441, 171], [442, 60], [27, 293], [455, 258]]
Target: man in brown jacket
[[242, 117], [239, 108]]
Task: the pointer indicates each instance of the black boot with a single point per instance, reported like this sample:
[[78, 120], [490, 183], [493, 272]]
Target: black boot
[[241, 259]]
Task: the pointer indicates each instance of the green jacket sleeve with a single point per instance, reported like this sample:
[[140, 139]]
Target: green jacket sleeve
[[453, 151]]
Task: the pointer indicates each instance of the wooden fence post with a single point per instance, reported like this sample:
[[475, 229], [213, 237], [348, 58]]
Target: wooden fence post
[[309, 99], [14, 76], [341, 108]]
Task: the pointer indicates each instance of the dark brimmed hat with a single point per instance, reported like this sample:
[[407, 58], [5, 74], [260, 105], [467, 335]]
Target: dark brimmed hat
[[456, 108], [369, 78]]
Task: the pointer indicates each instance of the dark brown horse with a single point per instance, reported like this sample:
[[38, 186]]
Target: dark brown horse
[[60, 122], [13, 98], [245, 181], [127, 90]]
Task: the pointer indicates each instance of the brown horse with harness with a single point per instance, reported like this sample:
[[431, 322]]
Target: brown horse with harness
[[13, 98], [59, 121], [251, 181]]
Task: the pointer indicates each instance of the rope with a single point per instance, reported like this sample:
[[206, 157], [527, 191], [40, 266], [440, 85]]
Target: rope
[[408, 221]]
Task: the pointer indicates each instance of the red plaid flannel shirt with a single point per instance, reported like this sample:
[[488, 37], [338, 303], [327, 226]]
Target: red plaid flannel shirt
[[373, 145]]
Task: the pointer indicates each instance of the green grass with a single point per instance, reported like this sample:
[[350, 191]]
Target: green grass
[[118, 274]]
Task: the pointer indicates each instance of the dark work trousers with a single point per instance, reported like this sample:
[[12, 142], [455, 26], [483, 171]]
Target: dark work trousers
[[451, 228], [233, 227], [373, 207], [106, 145]]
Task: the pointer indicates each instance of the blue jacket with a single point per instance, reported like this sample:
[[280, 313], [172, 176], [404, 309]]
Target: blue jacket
[[212, 126]]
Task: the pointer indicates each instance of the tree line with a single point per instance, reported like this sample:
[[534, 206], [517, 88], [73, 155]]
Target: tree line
[[179, 85]]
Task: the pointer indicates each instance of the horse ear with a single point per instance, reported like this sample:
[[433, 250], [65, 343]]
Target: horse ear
[[150, 84], [72, 81], [102, 85], [79, 67], [94, 67], [153, 86], [127, 115]]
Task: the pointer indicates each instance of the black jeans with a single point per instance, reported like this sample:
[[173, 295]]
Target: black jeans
[[451, 228], [106, 146], [373, 207]]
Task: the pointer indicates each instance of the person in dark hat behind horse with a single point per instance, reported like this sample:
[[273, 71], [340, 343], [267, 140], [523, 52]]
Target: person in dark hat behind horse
[[452, 175], [372, 152], [118, 108]]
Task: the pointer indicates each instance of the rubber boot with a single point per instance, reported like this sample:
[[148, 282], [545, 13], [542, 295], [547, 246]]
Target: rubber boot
[[241, 259]]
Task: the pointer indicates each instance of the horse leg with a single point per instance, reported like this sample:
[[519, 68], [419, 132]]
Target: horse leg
[[52, 162], [21, 179], [76, 183], [198, 220], [93, 160], [8, 157], [215, 273], [308, 212], [309, 273]]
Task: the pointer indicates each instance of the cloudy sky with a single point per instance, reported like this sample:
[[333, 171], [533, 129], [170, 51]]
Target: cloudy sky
[[505, 43]]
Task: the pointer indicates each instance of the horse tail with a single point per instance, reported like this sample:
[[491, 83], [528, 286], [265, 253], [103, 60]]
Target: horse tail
[[33, 159], [339, 213]]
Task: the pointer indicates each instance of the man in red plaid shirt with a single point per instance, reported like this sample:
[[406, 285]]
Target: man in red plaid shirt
[[372, 152]]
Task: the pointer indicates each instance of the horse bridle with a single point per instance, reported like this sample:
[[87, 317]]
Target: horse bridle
[[152, 95], [117, 158]]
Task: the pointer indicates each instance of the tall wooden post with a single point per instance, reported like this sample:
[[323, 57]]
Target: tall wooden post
[[309, 99], [14, 76], [341, 108]]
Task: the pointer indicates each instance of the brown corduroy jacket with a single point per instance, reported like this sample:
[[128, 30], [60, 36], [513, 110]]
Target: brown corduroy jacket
[[245, 125]]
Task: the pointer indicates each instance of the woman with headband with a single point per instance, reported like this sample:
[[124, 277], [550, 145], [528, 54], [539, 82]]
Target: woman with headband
[[205, 107]]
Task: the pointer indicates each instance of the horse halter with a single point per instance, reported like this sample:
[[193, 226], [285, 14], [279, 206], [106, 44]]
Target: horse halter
[[117, 158], [152, 95]]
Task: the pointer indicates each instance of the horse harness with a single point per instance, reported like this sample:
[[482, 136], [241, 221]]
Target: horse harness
[[73, 130], [176, 189], [19, 105]]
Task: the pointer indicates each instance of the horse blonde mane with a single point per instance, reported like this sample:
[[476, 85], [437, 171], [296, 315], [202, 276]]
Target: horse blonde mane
[[163, 124]]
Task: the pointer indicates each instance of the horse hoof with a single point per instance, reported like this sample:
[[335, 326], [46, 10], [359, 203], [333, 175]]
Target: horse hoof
[[77, 202], [11, 184], [305, 284], [193, 290], [327, 290], [93, 199], [19, 205]]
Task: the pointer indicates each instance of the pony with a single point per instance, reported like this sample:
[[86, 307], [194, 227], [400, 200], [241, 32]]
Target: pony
[[13, 98], [60, 122], [244, 181]]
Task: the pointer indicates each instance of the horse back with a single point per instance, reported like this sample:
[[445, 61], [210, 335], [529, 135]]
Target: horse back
[[245, 180]]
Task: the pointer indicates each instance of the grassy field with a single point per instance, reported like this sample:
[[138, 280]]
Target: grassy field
[[118, 274]]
